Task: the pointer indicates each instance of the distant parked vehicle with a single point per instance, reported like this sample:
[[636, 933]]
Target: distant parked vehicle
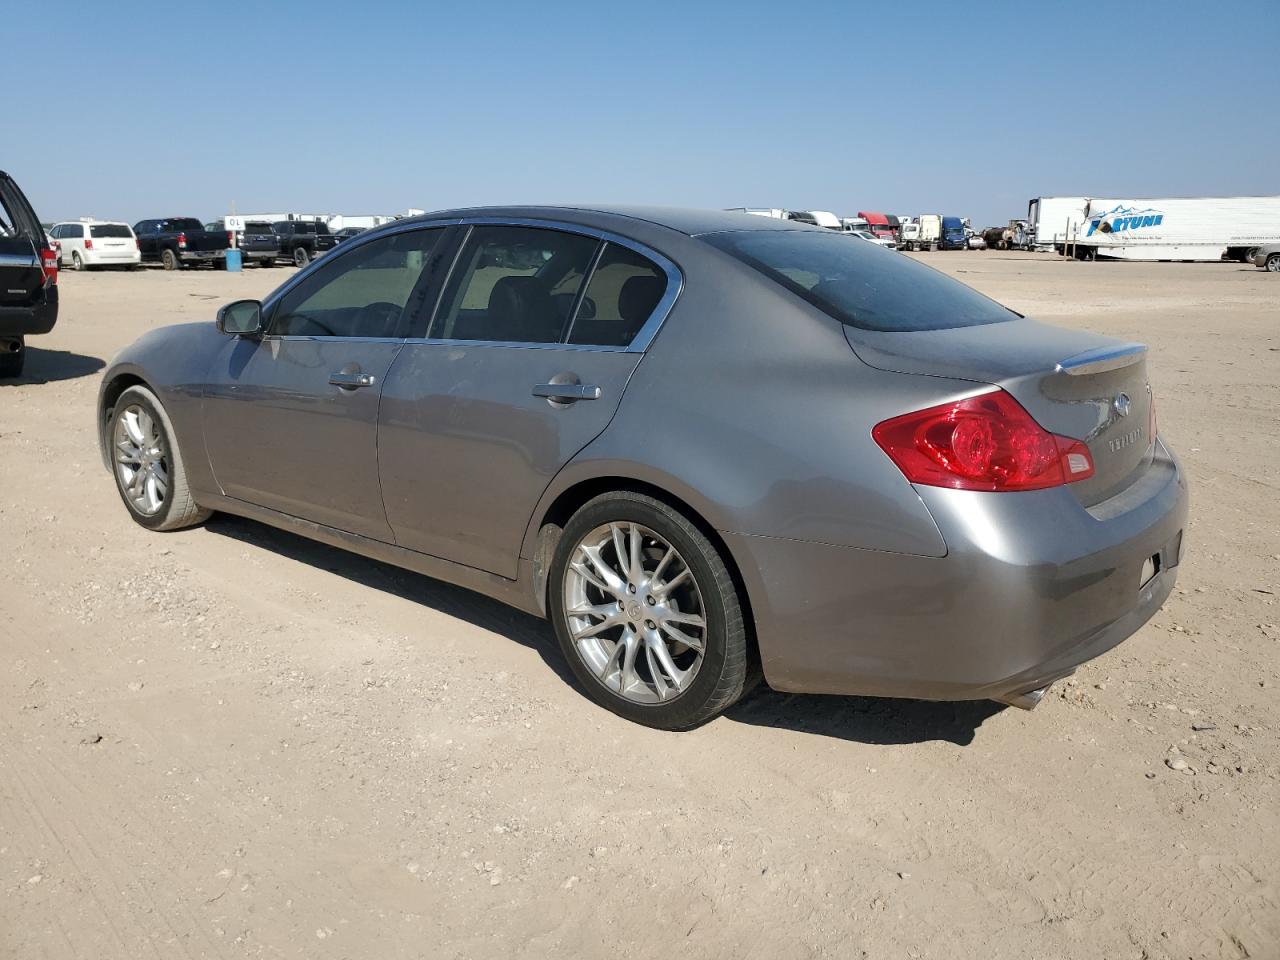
[[774, 213], [815, 218], [257, 241], [870, 237], [923, 233], [953, 236], [976, 241], [878, 223], [86, 244], [995, 238], [303, 240], [177, 242], [1268, 257], [28, 278], [346, 233]]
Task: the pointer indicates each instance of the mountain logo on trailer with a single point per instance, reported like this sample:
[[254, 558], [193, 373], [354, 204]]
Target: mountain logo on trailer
[[1122, 219]]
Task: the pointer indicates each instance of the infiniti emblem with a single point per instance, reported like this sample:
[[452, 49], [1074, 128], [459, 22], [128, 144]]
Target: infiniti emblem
[[1122, 404]]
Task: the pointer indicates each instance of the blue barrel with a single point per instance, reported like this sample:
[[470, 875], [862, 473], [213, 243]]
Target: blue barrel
[[233, 260]]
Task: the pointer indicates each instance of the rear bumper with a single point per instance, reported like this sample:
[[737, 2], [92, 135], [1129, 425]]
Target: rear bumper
[[26, 321], [1032, 586], [102, 258], [259, 254], [201, 256]]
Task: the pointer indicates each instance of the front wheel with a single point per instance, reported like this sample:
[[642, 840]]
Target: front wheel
[[301, 257], [647, 614], [1273, 263], [148, 468]]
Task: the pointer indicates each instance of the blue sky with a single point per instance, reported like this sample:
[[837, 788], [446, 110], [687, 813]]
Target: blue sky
[[959, 109]]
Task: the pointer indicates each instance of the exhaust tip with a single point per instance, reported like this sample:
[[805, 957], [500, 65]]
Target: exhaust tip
[[10, 346], [1027, 700]]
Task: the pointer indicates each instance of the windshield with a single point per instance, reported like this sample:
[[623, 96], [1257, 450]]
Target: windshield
[[860, 284]]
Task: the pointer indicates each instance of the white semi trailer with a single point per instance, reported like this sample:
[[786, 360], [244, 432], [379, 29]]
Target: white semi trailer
[[1167, 228]]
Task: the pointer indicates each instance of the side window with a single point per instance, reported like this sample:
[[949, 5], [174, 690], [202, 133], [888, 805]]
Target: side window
[[74, 231], [514, 285], [623, 292], [362, 293], [56, 232]]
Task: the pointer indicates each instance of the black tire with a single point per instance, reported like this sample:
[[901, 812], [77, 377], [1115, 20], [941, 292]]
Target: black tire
[[11, 361], [179, 509], [725, 673], [301, 256], [170, 260]]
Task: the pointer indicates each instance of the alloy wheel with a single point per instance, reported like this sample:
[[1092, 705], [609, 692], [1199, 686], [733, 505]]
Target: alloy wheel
[[635, 613], [142, 462]]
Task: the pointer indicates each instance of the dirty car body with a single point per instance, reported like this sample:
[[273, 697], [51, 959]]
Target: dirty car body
[[811, 405]]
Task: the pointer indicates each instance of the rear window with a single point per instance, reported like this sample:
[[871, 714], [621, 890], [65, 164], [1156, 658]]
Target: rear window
[[109, 230], [861, 284], [181, 223], [257, 226]]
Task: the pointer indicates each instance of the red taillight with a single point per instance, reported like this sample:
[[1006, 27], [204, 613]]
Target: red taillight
[[988, 442], [182, 241], [231, 238], [88, 243], [49, 265]]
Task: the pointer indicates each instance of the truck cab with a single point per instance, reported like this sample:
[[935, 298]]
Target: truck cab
[[953, 234], [878, 224]]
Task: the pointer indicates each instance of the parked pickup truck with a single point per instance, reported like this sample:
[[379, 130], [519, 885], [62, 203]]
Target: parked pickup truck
[[178, 241], [304, 240], [28, 278], [258, 242]]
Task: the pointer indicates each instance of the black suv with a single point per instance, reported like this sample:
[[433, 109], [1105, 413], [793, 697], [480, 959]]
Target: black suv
[[28, 278], [303, 240]]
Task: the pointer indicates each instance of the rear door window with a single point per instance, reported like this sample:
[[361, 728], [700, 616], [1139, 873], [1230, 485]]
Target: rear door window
[[115, 230], [623, 291], [514, 285], [861, 284]]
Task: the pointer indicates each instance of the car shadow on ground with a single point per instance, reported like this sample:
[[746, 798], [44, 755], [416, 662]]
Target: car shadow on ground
[[46, 366], [868, 720]]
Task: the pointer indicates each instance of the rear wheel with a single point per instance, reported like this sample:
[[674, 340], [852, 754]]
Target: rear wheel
[[77, 262], [1273, 263], [647, 614], [148, 468], [170, 260], [301, 256], [13, 357]]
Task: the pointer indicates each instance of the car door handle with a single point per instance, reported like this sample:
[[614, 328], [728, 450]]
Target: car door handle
[[351, 381], [567, 392]]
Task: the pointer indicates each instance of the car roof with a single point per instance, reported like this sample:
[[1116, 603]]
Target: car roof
[[686, 220]]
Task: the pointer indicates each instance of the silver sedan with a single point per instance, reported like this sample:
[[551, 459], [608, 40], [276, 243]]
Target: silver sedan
[[710, 448]]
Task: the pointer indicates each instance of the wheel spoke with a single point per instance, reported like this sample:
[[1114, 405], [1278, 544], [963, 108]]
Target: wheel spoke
[[130, 421], [595, 629], [148, 428], [669, 668], [620, 547], [582, 570], [688, 619], [635, 569], [616, 585], [693, 643], [665, 589], [627, 675], [656, 576]]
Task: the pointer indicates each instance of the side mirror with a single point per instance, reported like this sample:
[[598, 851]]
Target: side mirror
[[241, 318]]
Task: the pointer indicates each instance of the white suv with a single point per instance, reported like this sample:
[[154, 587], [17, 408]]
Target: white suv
[[96, 243]]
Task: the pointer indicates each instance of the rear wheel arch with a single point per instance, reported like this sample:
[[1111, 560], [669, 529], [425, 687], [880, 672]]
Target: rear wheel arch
[[569, 501]]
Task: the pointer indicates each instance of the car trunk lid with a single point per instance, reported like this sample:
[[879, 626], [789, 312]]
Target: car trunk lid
[[1075, 384]]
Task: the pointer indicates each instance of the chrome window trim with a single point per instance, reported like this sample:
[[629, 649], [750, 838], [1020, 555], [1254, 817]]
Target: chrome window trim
[[639, 343]]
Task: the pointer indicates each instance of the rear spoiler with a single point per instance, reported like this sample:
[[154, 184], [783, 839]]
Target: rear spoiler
[[1102, 359]]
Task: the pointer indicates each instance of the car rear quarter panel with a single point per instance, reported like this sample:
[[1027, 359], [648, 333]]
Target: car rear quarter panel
[[751, 407]]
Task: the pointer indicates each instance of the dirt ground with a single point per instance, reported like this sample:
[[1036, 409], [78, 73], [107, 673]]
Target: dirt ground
[[232, 742]]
